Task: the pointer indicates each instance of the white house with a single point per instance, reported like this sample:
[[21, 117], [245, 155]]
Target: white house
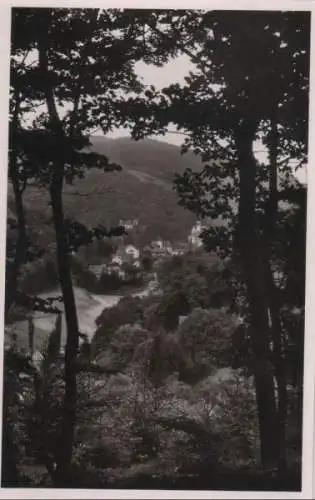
[[128, 224], [132, 251], [194, 237], [159, 247], [126, 255], [117, 260]]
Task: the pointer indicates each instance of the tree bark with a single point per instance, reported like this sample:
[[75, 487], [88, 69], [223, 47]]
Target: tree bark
[[21, 243], [273, 294], [280, 371], [67, 432], [248, 248], [63, 472]]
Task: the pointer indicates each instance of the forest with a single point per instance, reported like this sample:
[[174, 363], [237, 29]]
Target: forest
[[147, 357]]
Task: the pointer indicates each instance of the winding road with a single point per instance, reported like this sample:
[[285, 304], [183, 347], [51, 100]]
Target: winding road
[[89, 307]]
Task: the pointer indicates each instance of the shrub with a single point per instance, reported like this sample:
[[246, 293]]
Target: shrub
[[129, 310]]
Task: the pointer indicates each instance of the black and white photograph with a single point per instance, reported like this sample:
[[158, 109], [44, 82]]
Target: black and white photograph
[[155, 262]]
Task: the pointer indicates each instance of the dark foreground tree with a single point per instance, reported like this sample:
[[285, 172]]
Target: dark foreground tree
[[18, 177], [250, 82], [268, 71], [84, 62]]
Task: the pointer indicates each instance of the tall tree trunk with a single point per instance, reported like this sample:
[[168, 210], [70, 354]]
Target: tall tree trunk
[[9, 470], [21, 243], [63, 472], [10, 476], [67, 431], [273, 294], [280, 370], [247, 245]]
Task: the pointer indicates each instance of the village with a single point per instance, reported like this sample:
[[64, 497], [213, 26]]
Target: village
[[130, 260]]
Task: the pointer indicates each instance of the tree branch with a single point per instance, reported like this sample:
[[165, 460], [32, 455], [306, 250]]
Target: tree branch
[[204, 68]]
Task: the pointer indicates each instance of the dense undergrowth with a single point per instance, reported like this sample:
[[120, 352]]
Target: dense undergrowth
[[161, 404]]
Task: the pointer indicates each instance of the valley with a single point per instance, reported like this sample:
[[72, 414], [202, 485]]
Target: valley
[[155, 294]]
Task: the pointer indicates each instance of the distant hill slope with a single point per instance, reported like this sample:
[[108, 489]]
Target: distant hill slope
[[157, 158], [143, 190]]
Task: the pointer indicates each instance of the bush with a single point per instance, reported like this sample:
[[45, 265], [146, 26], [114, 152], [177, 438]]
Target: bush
[[195, 279], [108, 282], [40, 275], [172, 429], [121, 347], [129, 310], [206, 337], [87, 279]]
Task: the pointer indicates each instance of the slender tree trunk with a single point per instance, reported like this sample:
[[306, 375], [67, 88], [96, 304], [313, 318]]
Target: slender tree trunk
[[274, 304], [247, 245], [67, 432], [21, 243], [9, 470], [72, 343], [280, 372]]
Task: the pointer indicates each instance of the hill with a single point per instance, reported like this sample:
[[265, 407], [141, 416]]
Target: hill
[[160, 159], [143, 190]]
